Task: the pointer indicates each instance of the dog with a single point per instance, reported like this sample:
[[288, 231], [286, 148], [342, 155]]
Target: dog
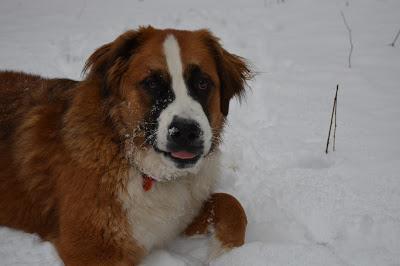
[[125, 160]]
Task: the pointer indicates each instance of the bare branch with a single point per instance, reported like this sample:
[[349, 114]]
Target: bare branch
[[334, 130], [330, 126], [350, 37], [81, 10], [395, 39]]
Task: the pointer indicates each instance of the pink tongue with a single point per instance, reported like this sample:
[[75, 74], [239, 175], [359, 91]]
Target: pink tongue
[[183, 155]]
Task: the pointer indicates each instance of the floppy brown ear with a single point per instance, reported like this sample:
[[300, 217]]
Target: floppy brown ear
[[110, 61], [233, 71]]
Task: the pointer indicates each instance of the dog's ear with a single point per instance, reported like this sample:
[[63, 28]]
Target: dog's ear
[[233, 71], [110, 61]]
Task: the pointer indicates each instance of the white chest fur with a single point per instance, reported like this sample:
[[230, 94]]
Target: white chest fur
[[160, 214]]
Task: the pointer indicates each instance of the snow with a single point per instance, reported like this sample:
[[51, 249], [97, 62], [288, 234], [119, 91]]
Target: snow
[[304, 207]]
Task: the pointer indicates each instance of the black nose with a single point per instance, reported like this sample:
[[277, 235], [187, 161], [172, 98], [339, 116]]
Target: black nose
[[184, 133]]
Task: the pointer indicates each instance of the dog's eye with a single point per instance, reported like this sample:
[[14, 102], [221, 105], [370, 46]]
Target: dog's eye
[[153, 82], [203, 84]]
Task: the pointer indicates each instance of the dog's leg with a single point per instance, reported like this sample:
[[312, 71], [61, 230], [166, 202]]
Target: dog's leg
[[93, 229], [94, 239], [223, 215], [90, 243]]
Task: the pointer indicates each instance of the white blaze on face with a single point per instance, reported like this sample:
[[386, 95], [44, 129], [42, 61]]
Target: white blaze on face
[[183, 105]]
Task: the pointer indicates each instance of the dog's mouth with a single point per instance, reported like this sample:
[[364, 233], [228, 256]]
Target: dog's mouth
[[181, 158]]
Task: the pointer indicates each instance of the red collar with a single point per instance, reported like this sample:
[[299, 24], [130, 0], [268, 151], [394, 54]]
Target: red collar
[[148, 182]]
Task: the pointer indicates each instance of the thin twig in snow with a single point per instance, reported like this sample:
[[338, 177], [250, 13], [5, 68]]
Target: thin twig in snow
[[395, 39], [350, 37], [334, 130], [81, 10], [330, 125]]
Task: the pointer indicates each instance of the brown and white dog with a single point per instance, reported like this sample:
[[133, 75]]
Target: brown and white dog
[[122, 162]]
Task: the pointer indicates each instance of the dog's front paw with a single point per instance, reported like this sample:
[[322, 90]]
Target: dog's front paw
[[224, 217], [228, 226], [216, 248]]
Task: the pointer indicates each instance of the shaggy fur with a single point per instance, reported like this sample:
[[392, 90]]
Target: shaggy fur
[[72, 154]]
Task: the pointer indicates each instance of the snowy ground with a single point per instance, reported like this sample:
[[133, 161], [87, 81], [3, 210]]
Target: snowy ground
[[304, 207]]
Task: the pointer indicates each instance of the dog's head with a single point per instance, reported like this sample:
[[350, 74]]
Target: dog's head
[[168, 94]]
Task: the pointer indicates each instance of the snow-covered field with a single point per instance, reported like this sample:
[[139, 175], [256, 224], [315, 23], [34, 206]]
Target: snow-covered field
[[304, 207]]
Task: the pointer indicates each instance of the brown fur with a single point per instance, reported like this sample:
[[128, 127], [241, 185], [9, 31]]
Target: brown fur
[[226, 215], [63, 147]]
